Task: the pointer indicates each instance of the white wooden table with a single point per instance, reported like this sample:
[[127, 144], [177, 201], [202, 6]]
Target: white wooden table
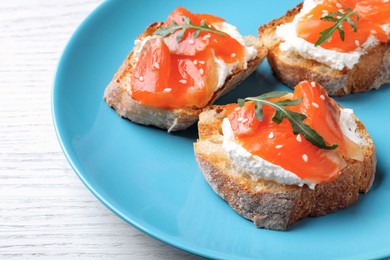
[[45, 210]]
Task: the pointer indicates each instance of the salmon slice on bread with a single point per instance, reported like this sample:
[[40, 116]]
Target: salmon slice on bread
[[370, 72], [264, 197], [169, 112]]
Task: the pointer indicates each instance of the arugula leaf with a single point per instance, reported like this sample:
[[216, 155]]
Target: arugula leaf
[[338, 18], [173, 27], [281, 112]]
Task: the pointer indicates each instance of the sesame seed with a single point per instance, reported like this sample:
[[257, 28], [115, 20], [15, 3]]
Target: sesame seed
[[202, 62], [314, 104], [313, 84], [166, 90], [183, 81], [240, 119], [299, 138], [373, 32], [305, 157], [357, 43], [341, 11], [339, 5], [207, 36], [191, 41], [325, 11], [310, 16], [271, 135], [201, 71], [156, 65], [278, 146], [195, 62], [233, 55], [237, 109], [322, 97], [141, 78], [245, 120], [191, 89]]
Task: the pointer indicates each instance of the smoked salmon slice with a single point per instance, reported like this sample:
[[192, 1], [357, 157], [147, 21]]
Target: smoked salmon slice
[[173, 73], [369, 17], [278, 144]]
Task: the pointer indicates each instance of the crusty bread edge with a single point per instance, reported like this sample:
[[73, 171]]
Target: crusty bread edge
[[118, 94], [372, 71], [280, 205]]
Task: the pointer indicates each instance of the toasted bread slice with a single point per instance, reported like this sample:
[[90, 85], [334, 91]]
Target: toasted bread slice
[[372, 71], [118, 92], [269, 204]]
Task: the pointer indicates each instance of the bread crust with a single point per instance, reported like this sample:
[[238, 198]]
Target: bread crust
[[269, 204], [372, 71], [118, 92]]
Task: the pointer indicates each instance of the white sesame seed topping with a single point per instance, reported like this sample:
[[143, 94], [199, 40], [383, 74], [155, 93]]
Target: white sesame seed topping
[[156, 65], [191, 41], [191, 89], [339, 5], [357, 43], [271, 135], [305, 157], [373, 32], [341, 11], [314, 104], [202, 62], [233, 55], [201, 71], [207, 36], [183, 81], [166, 90], [195, 62], [278, 146], [141, 78], [240, 119], [237, 109], [245, 120], [299, 138], [310, 16], [322, 97], [313, 84], [325, 11]]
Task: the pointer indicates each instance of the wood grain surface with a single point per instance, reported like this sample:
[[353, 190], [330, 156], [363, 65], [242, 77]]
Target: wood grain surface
[[45, 210]]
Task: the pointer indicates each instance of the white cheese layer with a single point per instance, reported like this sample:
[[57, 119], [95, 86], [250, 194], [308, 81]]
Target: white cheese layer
[[258, 168], [336, 60], [226, 69]]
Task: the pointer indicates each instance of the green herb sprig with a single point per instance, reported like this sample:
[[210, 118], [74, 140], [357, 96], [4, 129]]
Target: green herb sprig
[[281, 112], [173, 27], [338, 18]]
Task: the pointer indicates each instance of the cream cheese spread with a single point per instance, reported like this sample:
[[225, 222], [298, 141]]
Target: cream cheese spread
[[258, 168], [334, 59]]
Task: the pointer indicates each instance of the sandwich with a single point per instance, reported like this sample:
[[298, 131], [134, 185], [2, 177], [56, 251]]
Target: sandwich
[[341, 44], [280, 157], [180, 66]]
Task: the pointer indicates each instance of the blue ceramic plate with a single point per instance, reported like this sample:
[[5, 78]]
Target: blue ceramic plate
[[150, 178]]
